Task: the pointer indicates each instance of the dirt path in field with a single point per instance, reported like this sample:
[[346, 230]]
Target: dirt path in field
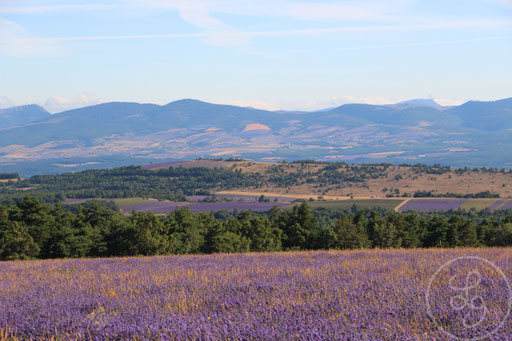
[[397, 209]]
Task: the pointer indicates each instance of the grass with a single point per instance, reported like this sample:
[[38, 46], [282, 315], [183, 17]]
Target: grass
[[478, 204], [123, 203]]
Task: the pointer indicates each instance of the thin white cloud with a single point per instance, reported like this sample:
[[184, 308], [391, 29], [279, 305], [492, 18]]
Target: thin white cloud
[[425, 43], [345, 10], [314, 31], [6, 102], [505, 3], [55, 104], [15, 41], [452, 25], [306, 105], [305, 10], [16, 9], [391, 16], [196, 12], [450, 101]]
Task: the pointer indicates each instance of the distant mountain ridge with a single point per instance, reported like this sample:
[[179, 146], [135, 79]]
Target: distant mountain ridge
[[22, 115], [474, 133], [429, 102]]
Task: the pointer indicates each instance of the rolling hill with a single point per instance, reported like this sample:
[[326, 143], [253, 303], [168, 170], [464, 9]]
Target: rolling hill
[[472, 134]]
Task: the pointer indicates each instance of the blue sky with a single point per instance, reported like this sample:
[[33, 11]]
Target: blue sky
[[273, 54]]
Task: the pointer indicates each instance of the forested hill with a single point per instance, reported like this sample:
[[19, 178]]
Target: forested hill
[[315, 179], [125, 182]]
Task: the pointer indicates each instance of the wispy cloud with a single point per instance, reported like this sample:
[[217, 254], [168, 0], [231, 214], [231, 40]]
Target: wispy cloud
[[345, 10], [307, 105], [306, 10], [16, 41], [452, 25], [450, 101], [244, 36], [425, 43], [196, 12], [391, 17], [505, 3], [324, 103], [55, 104], [5, 102], [13, 8]]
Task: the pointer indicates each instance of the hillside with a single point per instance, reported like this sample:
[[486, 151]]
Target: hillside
[[338, 180], [22, 115], [301, 179], [474, 134]]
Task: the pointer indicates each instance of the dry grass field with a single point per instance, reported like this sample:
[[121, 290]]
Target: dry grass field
[[391, 179], [7, 180]]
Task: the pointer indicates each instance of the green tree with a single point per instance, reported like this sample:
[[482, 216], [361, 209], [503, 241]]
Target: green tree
[[15, 242], [229, 242], [262, 236], [300, 228], [503, 235], [348, 235]]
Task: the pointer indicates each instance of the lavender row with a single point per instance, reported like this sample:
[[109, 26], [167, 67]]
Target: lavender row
[[508, 205], [167, 207], [244, 197], [496, 204], [426, 205]]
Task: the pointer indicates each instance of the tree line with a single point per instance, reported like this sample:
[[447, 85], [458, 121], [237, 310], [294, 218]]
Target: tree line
[[124, 182], [35, 230]]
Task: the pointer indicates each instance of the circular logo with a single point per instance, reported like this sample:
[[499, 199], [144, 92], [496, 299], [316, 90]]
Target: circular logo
[[469, 298]]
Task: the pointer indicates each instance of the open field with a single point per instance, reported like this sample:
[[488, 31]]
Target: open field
[[444, 204], [255, 193], [432, 204], [247, 202], [127, 205], [340, 295], [479, 204], [388, 204]]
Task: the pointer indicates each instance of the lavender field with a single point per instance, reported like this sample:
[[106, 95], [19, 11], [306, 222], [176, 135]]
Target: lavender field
[[143, 205], [197, 207], [507, 205], [356, 295], [497, 204], [240, 197], [426, 205]]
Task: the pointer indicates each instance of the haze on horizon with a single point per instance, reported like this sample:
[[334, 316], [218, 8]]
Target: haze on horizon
[[270, 54]]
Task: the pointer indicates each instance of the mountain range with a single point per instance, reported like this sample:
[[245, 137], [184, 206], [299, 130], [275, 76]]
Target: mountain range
[[104, 135]]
